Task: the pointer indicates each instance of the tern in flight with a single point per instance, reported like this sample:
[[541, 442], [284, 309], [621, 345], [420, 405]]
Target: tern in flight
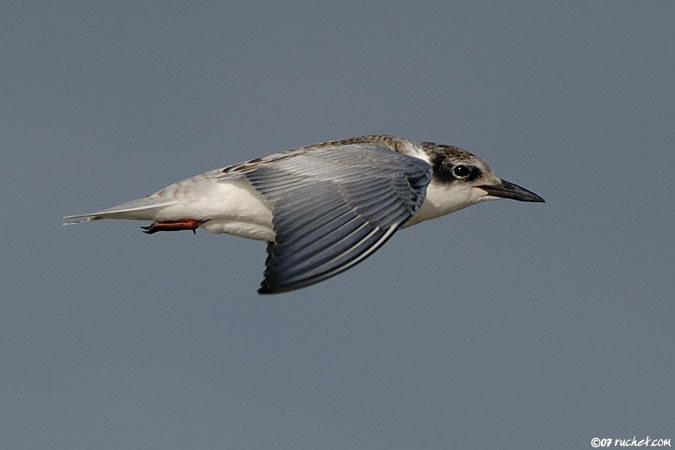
[[322, 208]]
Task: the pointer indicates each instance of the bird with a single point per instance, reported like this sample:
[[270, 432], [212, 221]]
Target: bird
[[321, 208]]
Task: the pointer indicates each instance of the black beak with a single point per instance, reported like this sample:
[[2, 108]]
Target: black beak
[[510, 190]]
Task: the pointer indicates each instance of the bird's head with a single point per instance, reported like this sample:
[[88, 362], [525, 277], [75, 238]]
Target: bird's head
[[461, 179]]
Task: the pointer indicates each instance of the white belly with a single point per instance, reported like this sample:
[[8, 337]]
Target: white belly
[[232, 207]]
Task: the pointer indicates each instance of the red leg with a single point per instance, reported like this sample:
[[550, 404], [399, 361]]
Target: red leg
[[173, 225]]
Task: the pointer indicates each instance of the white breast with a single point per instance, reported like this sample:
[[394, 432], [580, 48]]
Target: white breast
[[443, 198]]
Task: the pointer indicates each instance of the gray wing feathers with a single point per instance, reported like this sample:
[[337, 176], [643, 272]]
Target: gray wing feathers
[[335, 207]]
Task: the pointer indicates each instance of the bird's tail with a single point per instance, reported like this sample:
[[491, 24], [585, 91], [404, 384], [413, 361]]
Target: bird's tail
[[142, 209]]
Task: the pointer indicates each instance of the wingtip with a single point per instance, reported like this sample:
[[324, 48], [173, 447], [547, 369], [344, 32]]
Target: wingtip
[[265, 289]]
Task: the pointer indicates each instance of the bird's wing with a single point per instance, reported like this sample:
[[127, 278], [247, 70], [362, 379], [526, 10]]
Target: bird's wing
[[333, 207]]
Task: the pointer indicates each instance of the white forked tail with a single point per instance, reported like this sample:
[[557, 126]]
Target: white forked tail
[[142, 209], [185, 199]]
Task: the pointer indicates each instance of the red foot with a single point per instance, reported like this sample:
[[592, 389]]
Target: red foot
[[173, 225]]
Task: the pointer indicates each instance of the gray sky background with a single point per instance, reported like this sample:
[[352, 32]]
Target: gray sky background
[[503, 326]]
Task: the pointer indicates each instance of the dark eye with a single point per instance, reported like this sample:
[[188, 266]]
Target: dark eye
[[461, 171]]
